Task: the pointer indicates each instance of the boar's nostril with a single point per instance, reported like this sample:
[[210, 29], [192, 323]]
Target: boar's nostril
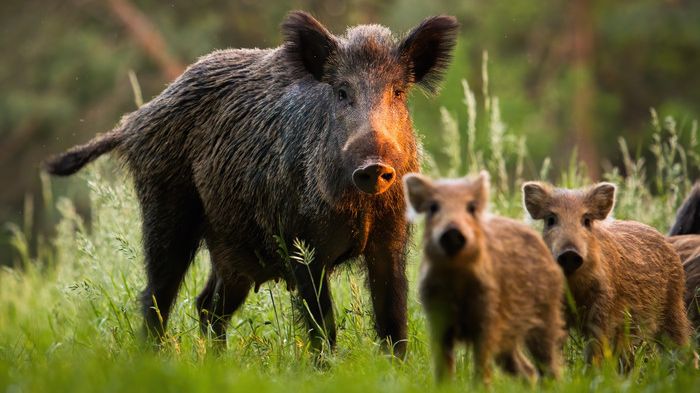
[[570, 261], [363, 176], [452, 241], [374, 178]]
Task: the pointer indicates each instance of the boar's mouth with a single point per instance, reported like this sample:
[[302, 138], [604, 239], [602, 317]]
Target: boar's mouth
[[569, 261]]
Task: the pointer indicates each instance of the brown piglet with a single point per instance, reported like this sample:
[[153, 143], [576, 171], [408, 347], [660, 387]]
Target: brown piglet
[[625, 279], [485, 280]]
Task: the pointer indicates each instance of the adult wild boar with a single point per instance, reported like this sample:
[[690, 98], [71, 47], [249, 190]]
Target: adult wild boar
[[685, 238], [304, 141]]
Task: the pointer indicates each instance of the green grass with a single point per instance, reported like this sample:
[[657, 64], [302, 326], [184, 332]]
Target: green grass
[[70, 321]]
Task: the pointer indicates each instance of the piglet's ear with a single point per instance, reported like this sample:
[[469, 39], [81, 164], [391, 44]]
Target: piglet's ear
[[536, 199], [427, 49], [600, 200], [482, 185], [418, 190], [309, 43]]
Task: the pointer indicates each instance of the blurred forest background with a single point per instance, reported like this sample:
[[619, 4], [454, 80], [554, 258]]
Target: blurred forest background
[[568, 72]]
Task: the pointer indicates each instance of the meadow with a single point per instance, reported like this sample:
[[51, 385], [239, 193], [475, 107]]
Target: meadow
[[70, 320]]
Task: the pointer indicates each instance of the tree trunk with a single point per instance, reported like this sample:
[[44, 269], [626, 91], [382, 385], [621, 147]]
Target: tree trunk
[[583, 41], [147, 36]]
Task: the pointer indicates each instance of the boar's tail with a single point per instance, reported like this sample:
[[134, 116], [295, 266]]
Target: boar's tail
[[688, 216], [71, 161]]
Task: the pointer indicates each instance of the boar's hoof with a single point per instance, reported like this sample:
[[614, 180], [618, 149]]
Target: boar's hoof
[[374, 178], [452, 241], [569, 261]]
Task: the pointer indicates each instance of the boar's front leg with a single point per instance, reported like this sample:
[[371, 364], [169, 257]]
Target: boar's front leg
[[385, 256], [316, 304]]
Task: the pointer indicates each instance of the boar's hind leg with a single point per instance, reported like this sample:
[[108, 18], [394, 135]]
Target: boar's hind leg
[[316, 304], [222, 296], [172, 230], [386, 275]]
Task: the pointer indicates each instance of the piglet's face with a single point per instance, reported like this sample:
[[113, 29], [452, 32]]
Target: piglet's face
[[570, 217], [453, 210]]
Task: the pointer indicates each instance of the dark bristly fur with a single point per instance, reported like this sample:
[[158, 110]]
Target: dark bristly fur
[[71, 161], [251, 143], [685, 238], [497, 288], [434, 51], [627, 281], [688, 215]]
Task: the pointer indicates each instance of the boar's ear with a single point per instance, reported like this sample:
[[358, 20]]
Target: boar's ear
[[600, 200], [482, 185], [308, 42], [427, 49], [418, 190], [536, 198]]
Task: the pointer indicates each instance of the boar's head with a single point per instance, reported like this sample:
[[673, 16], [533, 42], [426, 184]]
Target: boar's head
[[367, 75]]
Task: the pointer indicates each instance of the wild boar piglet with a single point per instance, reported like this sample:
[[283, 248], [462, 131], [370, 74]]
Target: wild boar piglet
[[485, 280], [626, 279]]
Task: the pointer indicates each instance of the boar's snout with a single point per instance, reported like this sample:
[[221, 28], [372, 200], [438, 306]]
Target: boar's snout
[[570, 261], [373, 178], [452, 241]]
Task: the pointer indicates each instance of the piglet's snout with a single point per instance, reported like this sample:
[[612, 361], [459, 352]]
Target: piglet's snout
[[570, 261], [452, 241]]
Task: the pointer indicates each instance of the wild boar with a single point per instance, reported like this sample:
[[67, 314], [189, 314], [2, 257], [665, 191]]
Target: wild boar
[[301, 141], [685, 238]]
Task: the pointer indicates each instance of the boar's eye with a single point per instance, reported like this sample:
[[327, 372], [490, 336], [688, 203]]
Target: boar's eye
[[471, 207], [550, 220], [398, 93], [587, 222], [342, 93], [433, 208]]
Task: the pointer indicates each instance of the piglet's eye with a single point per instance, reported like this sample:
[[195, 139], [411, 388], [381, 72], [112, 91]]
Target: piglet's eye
[[433, 208], [471, 207], [398, 93], [550, 220], [587, 222]]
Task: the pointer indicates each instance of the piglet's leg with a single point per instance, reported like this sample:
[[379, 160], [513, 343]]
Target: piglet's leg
[[597, 332], [483, 358], [516, 363], [442, 345]]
